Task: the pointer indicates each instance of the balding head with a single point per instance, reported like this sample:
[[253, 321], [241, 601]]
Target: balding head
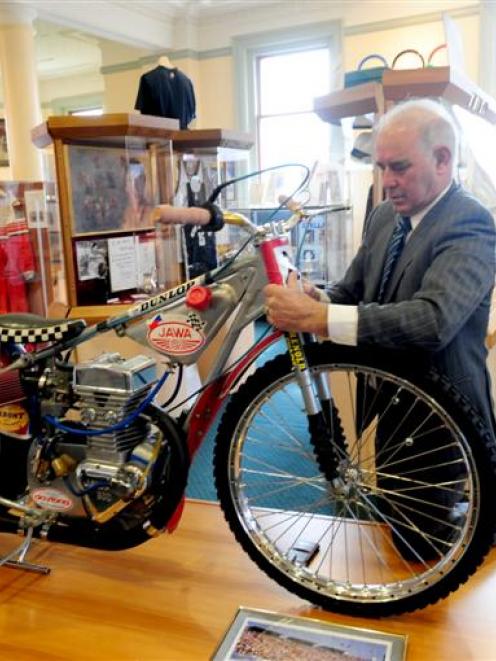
[[429, 119], [415, 146]]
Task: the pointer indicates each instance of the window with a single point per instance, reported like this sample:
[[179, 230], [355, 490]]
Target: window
[[287, 128], [277, 75]]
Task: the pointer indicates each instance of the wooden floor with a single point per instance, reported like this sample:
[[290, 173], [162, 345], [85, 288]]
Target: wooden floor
[[173, 597]]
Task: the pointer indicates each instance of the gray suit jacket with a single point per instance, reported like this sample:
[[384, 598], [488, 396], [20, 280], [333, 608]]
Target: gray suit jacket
[[437, 301]]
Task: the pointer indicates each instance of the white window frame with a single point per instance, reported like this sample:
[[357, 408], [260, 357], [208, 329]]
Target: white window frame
[[247, 49]]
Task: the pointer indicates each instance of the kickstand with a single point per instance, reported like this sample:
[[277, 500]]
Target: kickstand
[[15, 558]]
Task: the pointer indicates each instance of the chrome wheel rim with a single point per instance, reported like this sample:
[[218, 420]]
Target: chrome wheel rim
[[351, 530]]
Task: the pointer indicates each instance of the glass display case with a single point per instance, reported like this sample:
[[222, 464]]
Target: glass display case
[[322, 246], [203, 159], [31, 256], [111, 172]]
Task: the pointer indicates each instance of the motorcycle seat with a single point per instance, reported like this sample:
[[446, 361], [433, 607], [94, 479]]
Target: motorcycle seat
[[31, 328]]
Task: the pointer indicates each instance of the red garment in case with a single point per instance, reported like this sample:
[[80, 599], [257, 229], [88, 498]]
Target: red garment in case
[[17, 266]]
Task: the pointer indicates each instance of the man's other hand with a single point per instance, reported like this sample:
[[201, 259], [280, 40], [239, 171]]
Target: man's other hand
[[291, 309]]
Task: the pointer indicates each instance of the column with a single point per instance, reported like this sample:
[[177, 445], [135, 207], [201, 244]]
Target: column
[[20, 84]]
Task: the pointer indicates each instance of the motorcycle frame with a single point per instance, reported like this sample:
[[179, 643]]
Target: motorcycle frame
[[269, 264]]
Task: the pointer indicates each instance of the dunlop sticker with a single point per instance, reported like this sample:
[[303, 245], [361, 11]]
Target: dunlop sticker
[[13, 418]]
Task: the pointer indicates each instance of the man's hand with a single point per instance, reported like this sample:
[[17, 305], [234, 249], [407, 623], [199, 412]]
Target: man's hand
[[291, 309]]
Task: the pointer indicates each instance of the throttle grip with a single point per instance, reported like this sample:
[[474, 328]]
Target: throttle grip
[[182, 216], [208, 217]]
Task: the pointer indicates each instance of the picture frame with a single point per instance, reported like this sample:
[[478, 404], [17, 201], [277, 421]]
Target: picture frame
[[110, 189], [259, 634]]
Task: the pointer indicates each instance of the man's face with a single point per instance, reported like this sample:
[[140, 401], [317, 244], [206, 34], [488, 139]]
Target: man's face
[[412, 178]]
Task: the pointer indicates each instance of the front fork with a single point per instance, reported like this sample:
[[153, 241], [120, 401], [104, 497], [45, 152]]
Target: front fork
[[316, 393], [314, 388]]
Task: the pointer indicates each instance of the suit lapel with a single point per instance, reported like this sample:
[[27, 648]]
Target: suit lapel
[[417, 241]]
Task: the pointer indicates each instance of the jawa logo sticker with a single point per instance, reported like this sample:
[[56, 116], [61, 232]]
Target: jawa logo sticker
[[174, 336], [13, 418], [52, 499]]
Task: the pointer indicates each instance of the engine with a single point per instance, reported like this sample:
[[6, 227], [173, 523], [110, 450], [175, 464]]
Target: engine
[[109, 390], [80, 473]]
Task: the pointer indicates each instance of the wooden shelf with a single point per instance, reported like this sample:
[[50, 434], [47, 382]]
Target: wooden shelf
[[399, 85], [117, 125], [210, 139]]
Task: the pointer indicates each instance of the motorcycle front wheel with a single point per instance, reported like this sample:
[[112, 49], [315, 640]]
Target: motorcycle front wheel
[[384, 509]]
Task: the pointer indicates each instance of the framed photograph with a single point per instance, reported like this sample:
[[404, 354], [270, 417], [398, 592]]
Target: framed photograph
[[4, 152], [110, 189], [92, 259], [257, 634]]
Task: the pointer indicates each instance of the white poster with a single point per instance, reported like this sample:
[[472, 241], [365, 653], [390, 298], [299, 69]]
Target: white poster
[[123, 263], [147, 265]]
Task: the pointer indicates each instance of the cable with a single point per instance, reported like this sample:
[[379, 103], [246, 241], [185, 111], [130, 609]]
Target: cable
[[120, 425], [206, 385], [176, 387], [212, 277], [220, 187]]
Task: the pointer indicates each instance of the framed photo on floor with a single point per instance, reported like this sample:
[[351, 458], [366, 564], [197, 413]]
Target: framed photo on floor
[[257, 634]]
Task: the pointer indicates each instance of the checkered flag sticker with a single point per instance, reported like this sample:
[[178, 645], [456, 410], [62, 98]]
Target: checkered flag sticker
[[32, 335], [196, 321]]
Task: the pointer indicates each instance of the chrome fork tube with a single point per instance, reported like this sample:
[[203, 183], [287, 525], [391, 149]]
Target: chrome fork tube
[[302, 373]]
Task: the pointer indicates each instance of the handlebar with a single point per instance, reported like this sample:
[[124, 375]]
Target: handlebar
[[209, 217]]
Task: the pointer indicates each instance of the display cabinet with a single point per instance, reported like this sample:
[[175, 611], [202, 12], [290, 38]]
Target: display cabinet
[[111, 172], [31, 256], [204, 158], [322, 246]]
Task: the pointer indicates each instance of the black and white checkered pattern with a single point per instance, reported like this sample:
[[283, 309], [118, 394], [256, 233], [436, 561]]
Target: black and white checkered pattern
[[33, 335], [195, 321]]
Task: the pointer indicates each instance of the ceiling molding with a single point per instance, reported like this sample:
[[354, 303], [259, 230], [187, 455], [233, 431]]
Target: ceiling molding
[[408, 21], [183, 54], [115, 21]]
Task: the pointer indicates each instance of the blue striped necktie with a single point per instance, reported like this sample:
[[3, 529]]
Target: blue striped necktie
[[395, 246]]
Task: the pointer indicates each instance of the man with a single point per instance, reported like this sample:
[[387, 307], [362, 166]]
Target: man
[[437, 297], [421, 282]]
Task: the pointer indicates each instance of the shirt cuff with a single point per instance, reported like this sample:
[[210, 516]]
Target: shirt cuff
[[342, 324]]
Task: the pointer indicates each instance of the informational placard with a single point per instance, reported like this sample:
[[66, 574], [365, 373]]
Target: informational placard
[[123, 263], [147, 263]]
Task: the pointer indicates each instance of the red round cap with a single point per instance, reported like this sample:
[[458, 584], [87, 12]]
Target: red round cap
[[199, 297]]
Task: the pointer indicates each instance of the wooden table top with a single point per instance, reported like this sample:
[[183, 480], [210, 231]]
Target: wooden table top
[[173, 598]]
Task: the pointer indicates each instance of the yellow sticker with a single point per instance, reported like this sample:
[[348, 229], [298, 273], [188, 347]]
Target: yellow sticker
[[296, 351], [13, 417]]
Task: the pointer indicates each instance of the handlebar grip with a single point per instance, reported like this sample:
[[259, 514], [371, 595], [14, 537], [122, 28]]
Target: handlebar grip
[[209, 216], [182, 216]]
